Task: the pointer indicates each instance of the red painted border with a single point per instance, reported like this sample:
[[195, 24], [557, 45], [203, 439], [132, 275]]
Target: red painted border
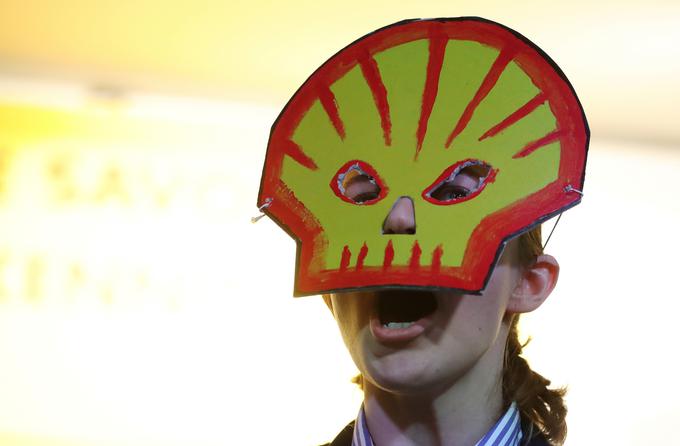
[[369, 170], [488, 237]]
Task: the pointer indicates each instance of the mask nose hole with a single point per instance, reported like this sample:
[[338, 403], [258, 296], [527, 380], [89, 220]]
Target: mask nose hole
[[402, 217]]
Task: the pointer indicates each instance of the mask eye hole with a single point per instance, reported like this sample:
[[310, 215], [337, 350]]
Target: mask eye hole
[[462, 181], [361, 188], [358, 183]]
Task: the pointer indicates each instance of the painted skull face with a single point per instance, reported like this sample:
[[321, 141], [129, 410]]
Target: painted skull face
[[465, 117]]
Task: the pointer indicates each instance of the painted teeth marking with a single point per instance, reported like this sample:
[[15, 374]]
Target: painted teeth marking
[[393, 325]]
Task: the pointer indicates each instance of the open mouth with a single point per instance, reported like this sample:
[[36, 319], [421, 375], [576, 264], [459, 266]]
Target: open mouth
[[399, 309]]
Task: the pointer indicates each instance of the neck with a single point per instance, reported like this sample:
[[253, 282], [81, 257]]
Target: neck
[[457, 413]]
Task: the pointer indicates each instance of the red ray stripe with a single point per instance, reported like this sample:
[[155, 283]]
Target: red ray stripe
[[516, 115], [369, 68], [331, 106], [541, 142], [362, 255], [437, 258], [414, 262], [389, 255], [434, 68], [487, 84], [294, 151], [344, 260]]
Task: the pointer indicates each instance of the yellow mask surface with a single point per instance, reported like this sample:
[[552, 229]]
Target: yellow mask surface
[[405, 109]]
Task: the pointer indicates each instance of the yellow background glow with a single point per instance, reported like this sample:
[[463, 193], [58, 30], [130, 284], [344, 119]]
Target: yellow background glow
[[139, 305]]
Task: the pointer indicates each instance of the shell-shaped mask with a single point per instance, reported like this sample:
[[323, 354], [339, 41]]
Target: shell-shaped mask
[[402, 112]]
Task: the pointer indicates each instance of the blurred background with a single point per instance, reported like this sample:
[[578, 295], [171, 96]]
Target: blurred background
[[139, 305]]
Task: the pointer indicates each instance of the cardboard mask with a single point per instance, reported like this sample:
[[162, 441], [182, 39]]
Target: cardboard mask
[[404, 112]]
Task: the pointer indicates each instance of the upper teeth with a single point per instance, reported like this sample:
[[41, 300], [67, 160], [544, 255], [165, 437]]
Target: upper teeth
[[397, 324]]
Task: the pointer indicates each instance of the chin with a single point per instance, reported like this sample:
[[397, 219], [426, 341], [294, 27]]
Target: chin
[[411, 377]]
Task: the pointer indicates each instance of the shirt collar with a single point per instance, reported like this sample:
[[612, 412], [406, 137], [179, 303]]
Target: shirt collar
[[506, 432]]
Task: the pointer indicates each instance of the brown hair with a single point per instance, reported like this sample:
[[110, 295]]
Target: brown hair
[[537, 403]]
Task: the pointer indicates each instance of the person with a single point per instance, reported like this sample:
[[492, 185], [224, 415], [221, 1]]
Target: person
[[414, 169], [462, 381]]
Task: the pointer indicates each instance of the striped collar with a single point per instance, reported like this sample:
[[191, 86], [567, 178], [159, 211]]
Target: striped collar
[[506, 432]]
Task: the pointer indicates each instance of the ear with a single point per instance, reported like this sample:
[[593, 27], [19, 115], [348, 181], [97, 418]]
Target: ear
[[535, 285], [328, 301]]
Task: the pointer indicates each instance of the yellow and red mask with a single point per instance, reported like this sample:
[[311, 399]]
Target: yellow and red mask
[[400, 113]]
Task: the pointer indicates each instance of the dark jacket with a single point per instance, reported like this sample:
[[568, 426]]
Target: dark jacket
[[530, 437]]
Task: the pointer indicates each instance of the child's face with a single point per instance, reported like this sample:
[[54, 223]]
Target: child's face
[[460, 332]]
